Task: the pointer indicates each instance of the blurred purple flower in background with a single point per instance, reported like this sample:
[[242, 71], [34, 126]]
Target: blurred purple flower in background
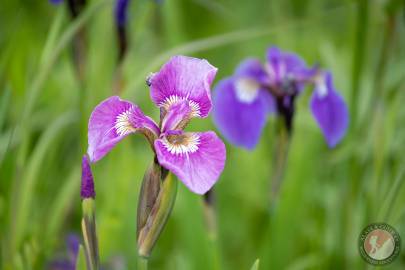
[[69, 263], [120, 11], [243, 101], [181, 89], [55, 2]]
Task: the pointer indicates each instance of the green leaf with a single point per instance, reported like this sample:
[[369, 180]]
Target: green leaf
[[81, 259], [255, 265]]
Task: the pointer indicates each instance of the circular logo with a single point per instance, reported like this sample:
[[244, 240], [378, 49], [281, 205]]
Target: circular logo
[[379, 244]]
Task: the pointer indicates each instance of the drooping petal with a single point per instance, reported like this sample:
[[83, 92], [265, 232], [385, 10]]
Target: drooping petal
[[177, 117], [330, 111], [184, 78], [111, 121], [240, 122], [197, 159]]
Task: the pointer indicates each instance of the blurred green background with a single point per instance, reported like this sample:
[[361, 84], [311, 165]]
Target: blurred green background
[[327, 197]]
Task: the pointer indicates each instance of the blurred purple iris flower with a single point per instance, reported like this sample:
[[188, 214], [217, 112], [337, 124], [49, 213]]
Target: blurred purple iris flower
[[120, 11], [243, 101], [69, 263], [181, 89]]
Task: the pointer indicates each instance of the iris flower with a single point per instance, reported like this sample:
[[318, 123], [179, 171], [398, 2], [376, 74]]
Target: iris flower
[[69, 263], [243, 101], [181, 90], [120, 11]]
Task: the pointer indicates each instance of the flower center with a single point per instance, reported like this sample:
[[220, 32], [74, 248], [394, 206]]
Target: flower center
[[246, 90], [181, 144], [122, 123], [173, 99]]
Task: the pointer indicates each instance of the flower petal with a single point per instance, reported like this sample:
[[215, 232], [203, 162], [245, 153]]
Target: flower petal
[[253, 69], [330, 111], [282, 66], [184, 78], [240, 122], [177, 117], [197, 159], [111, 121]]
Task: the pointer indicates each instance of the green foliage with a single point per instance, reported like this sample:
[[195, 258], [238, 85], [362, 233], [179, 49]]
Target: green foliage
[[327, 196]]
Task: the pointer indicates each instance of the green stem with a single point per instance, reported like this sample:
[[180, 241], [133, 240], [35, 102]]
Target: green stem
[[142, 263], [279, 161], [90, 234], [211, 226]]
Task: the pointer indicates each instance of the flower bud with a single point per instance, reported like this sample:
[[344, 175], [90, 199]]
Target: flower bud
[[156, 200], [87, 188]]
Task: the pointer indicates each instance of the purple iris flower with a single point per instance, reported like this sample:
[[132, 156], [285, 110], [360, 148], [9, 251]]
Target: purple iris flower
[[243, 101], [69, 263], [55, 2], [181, 89], [121, 7]]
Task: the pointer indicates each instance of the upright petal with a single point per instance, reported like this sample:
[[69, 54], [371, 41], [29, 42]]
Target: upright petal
[[330, 111], [285, 66], [177, 117], [241, 122], [253, 69], [197, 159], [184, 78], [111, 121]]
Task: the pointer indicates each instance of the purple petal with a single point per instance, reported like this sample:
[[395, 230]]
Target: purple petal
[[111, 121], [62, 264], [87, 188], [55, 2], [184, 78], [73, 243], [240, 122], [285, 65], [330, 111], [177, 117], [197, 159], [253, 69]]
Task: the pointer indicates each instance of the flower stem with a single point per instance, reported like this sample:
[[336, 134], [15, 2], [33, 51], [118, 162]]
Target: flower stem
[[209, 206], [279, 161], [142, 263], [90, 234]]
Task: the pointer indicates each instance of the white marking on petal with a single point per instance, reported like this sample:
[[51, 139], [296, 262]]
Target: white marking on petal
[[122, 123], [246, 89], [188, 144], [173, 99], [321, 88]]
